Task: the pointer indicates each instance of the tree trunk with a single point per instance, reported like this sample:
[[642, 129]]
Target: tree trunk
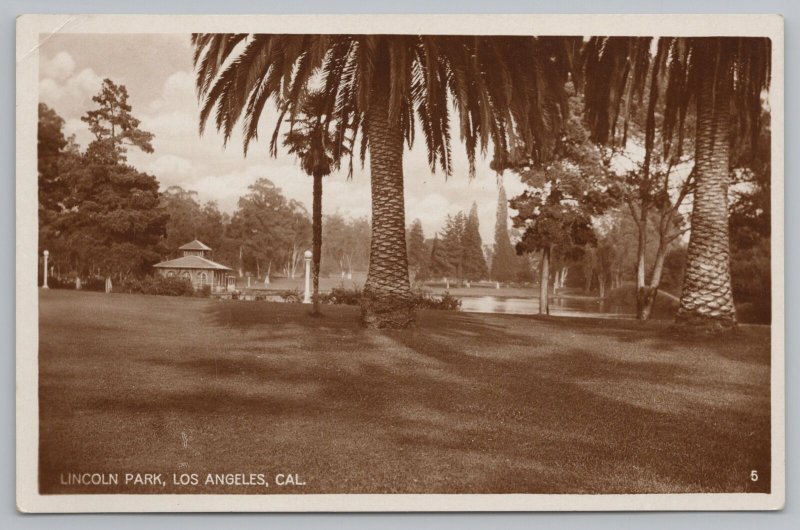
[[386, 302], [643, 292], [646, 296], [316, 221], [707, 299], [587, 280], [544, 281], [601, 284]]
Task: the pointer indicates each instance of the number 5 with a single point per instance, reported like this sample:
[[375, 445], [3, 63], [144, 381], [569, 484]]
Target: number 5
[[754, 475]]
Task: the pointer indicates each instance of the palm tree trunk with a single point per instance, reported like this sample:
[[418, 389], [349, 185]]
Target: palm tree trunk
[[707, 299], [316, 221], [386, 302]]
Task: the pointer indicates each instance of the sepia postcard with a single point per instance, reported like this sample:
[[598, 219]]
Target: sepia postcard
[[399, 263]]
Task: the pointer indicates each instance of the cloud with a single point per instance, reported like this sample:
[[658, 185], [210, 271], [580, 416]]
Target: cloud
[[171, 168], [178, 92], [164, 99], [72, 94], [60, 66], [167, 124], [75, 126]]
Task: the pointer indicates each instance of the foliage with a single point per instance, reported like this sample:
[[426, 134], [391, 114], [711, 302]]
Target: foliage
[[160, 285], [189, 220], [439, 264], [378, 88], [561, 198], [459, 252], [310, 139], [419, 299], [522, 77], [94, 283], [57, 156], [346, 245], [113, 126], [474, 262], [418, 253], [503, 255], [54, 282], [342, 296], [452, 244], [100, 216], [293, 296], [615, 70], [623, 299], [750, 233], [270, 229], [446, 301], [724, 78]]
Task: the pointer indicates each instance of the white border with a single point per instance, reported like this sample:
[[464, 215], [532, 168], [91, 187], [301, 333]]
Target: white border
[[29, 27]]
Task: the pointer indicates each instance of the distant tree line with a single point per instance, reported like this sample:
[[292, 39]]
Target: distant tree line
[[101, 217]]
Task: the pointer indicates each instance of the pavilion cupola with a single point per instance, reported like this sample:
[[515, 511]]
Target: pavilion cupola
[[196, 248]]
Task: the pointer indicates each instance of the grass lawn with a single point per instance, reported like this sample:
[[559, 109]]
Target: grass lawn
[[462, 403]]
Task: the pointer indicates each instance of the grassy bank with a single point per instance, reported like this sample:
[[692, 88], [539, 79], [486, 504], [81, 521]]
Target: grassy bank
[[461, 403]]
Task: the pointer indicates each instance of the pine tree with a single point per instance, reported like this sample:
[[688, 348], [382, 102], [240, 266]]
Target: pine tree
[[113, 126], [453, 244], [473, 258], [504, 257], [417, 251], [438, 265]]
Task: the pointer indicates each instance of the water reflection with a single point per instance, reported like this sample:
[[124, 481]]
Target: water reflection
[[560, 306]]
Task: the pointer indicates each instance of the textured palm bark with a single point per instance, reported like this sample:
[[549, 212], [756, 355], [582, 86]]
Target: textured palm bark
[[386, 302], [316, 221], [707, 298]]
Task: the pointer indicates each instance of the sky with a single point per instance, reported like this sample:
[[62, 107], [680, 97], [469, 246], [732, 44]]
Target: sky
[[157, 71]]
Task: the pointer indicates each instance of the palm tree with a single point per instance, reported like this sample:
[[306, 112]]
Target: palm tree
[[382, 87], [313, 143], [723, 80]]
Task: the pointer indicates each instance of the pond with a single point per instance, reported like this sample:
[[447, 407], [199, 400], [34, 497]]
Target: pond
[[560, 306]]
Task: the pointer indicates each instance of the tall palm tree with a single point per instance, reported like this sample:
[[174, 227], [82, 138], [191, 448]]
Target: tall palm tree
[[382, 87], [313, 143], [722, 79]]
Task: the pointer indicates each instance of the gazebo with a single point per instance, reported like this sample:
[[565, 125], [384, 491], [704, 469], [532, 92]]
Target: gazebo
[[195, 266]]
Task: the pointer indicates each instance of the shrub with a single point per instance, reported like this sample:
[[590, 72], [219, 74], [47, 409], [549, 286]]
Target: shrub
[[341, 296], [159, 285], [419, 299], [292, 296], [204, 291], [447, 302], [53, 282], [172, 286]]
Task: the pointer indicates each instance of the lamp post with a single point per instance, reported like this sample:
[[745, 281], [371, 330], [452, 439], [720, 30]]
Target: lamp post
[[45, 286], [307, 294]]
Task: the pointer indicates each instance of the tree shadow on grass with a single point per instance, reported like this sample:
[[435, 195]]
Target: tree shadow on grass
[[460, 403]]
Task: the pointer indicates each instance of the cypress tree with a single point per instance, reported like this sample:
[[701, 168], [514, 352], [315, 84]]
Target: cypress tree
[[504, 257], [474, 262]]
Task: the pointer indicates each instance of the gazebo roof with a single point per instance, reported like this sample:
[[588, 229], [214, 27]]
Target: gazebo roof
[[191, 262], [195, 245]]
